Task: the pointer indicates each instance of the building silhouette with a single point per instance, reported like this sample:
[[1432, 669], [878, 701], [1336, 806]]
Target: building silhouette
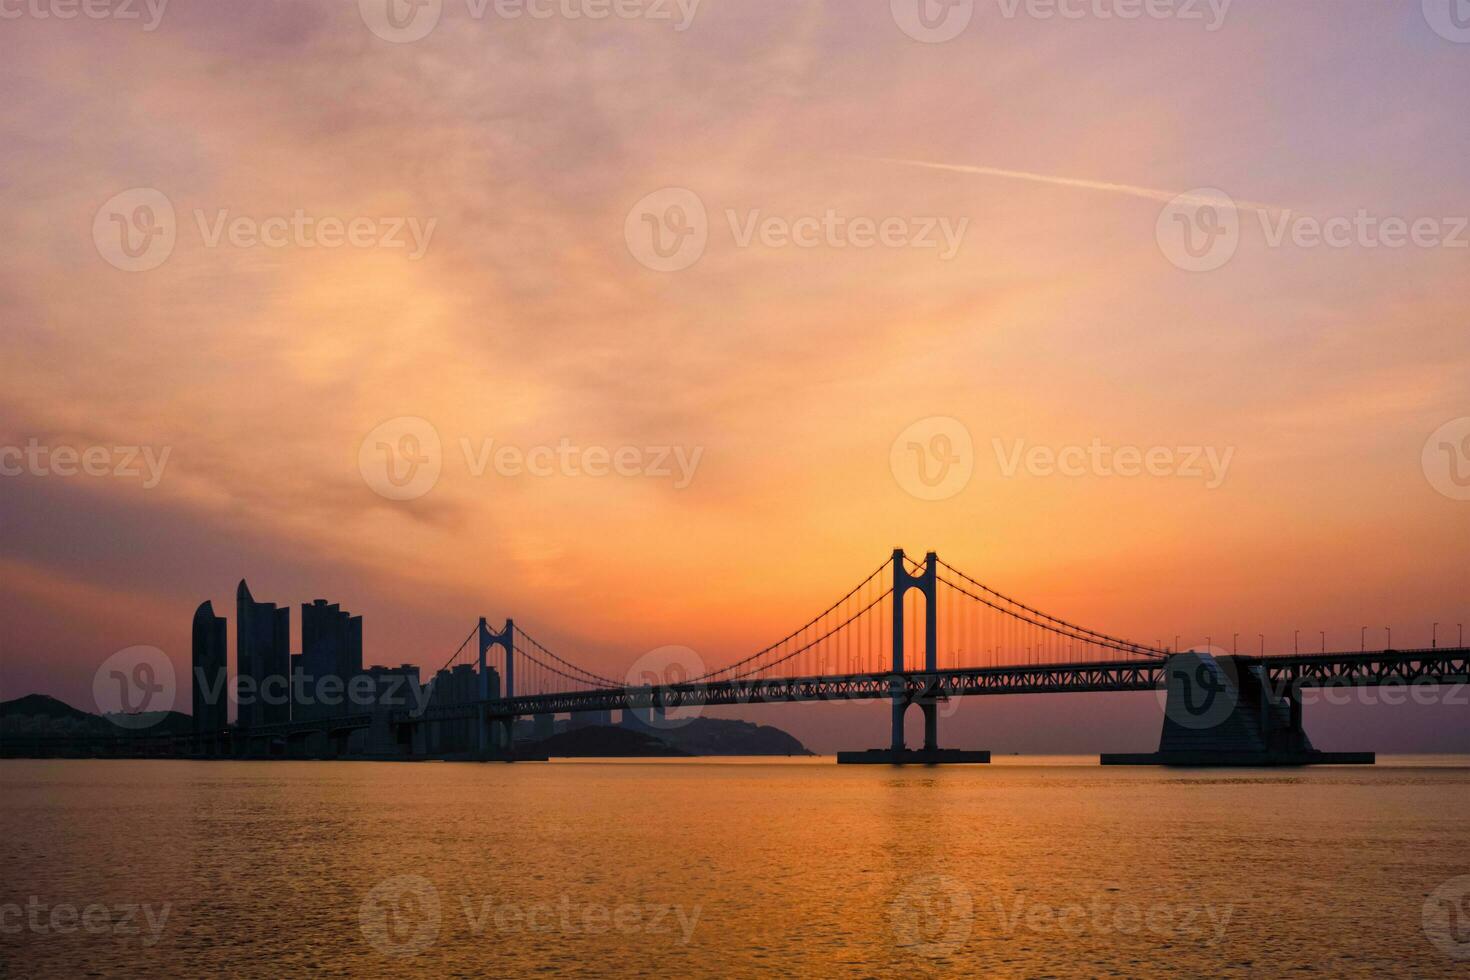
[[458, 685], [263, 660], [394, 688], [329, 662], [210, 671]]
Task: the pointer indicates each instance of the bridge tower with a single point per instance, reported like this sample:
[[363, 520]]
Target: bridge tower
[[925, 581], [488, 737]]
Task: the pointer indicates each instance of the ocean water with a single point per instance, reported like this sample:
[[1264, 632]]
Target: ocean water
[[1028, 867]]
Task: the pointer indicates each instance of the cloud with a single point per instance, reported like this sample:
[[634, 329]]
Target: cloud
[[1128, 190]]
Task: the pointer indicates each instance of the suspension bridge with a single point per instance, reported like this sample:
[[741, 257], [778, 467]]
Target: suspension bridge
[[911, 633], [917, 633]]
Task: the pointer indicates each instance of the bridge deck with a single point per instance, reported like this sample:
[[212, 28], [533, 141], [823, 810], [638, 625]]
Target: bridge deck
[[1362, 669]]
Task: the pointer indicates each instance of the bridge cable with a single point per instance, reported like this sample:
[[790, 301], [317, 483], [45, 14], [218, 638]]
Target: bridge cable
[[1064, 629], [843, 625], [797, 632], [590, 676]]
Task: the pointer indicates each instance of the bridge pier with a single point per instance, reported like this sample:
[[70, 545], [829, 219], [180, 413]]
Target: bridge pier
[[1220, 711]]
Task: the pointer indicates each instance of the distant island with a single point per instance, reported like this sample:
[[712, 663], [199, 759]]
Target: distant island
[[40, 715], [696, 737], [25, 720]]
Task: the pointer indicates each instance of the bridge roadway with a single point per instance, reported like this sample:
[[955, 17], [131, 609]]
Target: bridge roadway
[[1284, 672]]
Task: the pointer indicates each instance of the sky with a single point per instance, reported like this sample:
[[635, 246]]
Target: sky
[[754, 252]]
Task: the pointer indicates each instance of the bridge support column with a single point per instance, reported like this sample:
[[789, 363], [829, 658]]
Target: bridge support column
[[931, 726], [485, 739], [1220, 711]]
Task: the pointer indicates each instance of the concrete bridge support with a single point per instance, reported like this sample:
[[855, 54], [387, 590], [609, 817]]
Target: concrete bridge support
[[1220, 711]]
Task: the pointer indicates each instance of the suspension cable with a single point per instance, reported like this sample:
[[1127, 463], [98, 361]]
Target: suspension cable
[[597, 678], [843, 625], [812, 622], [1064, 628], [545, 666], [453, 656]]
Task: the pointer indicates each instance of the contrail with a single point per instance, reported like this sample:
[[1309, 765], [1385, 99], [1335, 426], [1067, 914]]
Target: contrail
[[1147, 193]]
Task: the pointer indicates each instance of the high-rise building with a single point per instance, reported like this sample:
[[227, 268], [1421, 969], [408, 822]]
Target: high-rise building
[[263, 660], [331, 647], [210, 671], [395, 688], [459, 685]]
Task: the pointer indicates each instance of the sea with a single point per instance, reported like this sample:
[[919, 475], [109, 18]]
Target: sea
[[1028, 867]]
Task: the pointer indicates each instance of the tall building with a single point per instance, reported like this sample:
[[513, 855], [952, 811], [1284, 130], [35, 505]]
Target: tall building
[[395, 688], [459, 685], [210, 671], [331, 646], [263, 655]]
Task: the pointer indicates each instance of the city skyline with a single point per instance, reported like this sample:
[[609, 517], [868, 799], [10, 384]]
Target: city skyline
[[321, 680]]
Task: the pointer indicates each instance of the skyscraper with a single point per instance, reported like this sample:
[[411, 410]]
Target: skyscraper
[[263, 660], [331, 646], [210, 673]]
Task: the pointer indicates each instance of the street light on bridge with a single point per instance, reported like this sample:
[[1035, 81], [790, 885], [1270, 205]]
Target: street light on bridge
[[1389, 630], [1324, 640], [1363, 640], [1296, 642], [1235, 644], [1434, 638], [1263, 643]]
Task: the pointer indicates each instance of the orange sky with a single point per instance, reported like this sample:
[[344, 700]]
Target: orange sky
[[528, 319]]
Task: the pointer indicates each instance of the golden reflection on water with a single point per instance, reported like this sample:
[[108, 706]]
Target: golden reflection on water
[[732, 867]]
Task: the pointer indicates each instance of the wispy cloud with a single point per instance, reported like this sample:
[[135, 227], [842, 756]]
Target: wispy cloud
[[1130, 190]]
